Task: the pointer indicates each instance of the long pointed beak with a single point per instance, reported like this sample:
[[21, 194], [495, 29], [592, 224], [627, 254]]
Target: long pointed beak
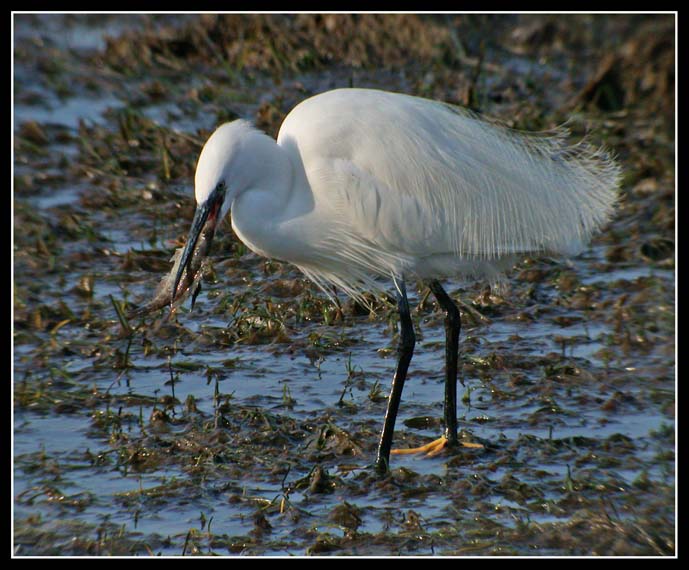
[[198, 243]]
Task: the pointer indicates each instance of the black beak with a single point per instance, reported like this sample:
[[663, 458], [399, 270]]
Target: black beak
[[203, 225]]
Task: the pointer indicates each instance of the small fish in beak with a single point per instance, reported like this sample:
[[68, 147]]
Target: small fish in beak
[[190, 263]]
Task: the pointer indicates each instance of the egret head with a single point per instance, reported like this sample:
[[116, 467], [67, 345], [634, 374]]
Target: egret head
[[224, 166], [232, 161]]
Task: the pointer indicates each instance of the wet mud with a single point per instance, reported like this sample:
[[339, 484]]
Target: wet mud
[[249, 426]]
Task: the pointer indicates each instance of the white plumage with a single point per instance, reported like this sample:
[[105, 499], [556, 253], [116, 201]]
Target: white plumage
[[365, 184]]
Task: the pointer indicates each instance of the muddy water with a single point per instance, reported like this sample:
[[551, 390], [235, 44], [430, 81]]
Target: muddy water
[[248, 426]]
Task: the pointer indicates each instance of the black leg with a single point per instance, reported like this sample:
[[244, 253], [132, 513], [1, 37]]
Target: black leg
[[453, 325], [405, 351]]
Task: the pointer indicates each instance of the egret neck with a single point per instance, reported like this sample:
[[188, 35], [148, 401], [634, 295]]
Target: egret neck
[[277, 193]]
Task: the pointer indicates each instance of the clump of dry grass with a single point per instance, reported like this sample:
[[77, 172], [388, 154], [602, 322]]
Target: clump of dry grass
[[276, 43]]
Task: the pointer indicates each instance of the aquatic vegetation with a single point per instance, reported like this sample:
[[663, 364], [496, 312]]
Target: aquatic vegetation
[[248, 427]]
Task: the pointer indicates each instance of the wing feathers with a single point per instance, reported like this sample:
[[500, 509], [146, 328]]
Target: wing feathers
[[414, 178]]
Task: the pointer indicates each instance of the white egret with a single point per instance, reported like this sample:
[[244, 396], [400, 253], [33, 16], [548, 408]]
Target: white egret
[[366, 186]]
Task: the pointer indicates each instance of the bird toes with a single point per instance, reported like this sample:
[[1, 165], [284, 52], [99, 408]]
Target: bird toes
[[435, 447], [430, 449]]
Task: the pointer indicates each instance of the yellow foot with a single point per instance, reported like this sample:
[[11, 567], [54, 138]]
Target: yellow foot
[[434, 448]]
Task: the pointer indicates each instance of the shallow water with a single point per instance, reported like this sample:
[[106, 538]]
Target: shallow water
[[574, 403]]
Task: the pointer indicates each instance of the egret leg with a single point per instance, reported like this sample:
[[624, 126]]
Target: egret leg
[[405, 350], [453, 325]]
